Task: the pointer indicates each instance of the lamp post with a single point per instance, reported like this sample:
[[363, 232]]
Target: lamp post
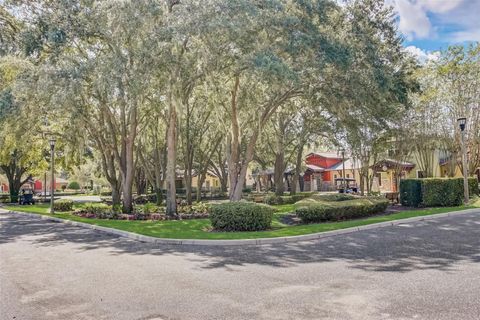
[[52, 166], [45, 188], [462, 122]]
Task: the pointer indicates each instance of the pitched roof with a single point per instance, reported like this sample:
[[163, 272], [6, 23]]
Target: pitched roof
[[315, 168], [349, 165], [328, 154], [392, 163]]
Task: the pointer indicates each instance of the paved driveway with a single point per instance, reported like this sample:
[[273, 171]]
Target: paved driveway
[[423, 270]]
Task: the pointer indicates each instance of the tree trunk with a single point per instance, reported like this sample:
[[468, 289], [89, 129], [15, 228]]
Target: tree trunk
[[171, 205], [128, 175], [200, 181], [298, 168], [116, 194], [14, 176], [188, 185], [279, 173], [14, 189]]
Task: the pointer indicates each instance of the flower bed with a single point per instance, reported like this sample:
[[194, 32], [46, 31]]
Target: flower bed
[[147, 211]]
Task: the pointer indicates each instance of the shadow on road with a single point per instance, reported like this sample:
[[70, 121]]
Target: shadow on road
[[435, 244]]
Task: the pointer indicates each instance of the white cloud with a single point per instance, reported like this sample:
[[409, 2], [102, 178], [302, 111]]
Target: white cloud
[[414, 21], [462, 36], [422, 55], [440, 6]]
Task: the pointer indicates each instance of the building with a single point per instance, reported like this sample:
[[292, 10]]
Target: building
[[325, 169], [212, 182]]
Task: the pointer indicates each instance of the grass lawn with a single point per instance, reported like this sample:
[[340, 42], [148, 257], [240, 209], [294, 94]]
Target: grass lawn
[[199, 229]]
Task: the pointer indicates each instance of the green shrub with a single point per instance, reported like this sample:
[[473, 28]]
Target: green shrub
[[334, 197], [291, 199], [241, 216], [435, 192], [149, 208], [442, 192], [473, 186], [272, 199], [411, 192], [63, 205], [98, 210], [74, 185], [341, 210], [201, 207]]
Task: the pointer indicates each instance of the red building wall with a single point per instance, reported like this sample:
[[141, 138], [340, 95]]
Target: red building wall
[[320, 161], [4, 187], [38, 186], [324, 162]]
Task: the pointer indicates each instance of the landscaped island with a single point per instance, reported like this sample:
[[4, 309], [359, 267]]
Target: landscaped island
[[286, 219]]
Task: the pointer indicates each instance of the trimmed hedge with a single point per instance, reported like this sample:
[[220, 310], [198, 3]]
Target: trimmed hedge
[[334, 197], [442, 192], [291, 199], [341, 210], [241, 216], [63, 205], [435, 192], [411, 192], [272, 199], [473, 186], [74, 185]]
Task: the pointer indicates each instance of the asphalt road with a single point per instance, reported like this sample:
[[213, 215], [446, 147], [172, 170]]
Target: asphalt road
[[422, 270]]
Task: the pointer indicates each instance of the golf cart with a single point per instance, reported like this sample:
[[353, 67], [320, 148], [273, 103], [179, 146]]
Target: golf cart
[[347, 185], [26, 197]]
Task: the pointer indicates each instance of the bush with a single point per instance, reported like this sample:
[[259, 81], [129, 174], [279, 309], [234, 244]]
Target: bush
[[473, 186], [97, 210], [74, 185], [63, 205], [334, 197], [149, 208], [201, 207], [435, 192], [241, 216], [411, 192], [272, 199], [277, 200], [4, 198], [442, 192], [344, 210]]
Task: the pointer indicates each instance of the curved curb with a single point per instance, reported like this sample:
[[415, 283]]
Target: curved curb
[[260, 241]]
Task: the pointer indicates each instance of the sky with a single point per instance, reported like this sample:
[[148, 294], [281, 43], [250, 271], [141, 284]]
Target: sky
[[432, 25]]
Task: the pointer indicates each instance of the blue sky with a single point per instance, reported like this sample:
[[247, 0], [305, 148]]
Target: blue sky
[[432, 25]]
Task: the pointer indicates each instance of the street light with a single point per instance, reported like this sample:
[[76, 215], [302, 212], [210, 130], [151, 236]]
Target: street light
[[462, 122], [52, 166]]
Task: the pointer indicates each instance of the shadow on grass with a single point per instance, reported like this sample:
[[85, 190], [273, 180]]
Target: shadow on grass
[[434, 244]]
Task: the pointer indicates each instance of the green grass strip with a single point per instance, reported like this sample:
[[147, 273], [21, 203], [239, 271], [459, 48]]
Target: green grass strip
[[199, 229]]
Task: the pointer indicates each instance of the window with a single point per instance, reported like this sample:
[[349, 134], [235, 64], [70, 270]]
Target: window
[[421, 174]]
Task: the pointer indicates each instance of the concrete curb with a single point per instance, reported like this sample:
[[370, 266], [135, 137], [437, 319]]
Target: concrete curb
[[261, 241]]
